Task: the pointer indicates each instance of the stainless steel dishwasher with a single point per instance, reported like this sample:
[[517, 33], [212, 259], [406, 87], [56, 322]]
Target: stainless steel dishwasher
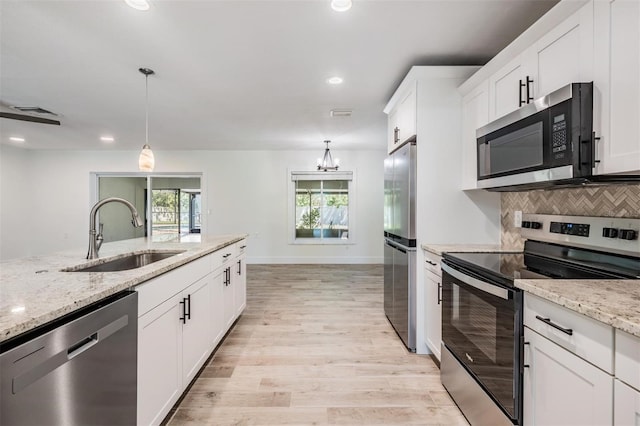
[[78, 370]]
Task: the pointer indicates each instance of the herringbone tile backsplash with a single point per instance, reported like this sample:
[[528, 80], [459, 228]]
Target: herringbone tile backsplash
[[615, 200]]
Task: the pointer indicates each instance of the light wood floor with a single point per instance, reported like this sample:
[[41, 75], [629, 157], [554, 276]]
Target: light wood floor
[[314, 347]]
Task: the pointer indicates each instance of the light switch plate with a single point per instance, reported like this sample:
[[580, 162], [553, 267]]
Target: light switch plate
[[517, 218]]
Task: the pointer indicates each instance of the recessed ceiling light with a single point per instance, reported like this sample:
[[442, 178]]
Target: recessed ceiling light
[[341, 5], [16, 139], [107, 138], [138, 4], [335, 80]]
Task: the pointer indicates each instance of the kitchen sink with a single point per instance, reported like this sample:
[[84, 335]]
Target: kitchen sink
[[123, 263]]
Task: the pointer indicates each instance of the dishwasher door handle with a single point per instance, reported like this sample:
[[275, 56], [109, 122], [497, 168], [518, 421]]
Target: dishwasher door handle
[[57, 360], [82, 346]]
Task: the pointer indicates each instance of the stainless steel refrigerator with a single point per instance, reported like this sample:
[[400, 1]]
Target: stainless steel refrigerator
[[400, 242]]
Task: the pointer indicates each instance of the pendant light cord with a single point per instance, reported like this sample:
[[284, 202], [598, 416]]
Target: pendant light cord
[[146, 88]]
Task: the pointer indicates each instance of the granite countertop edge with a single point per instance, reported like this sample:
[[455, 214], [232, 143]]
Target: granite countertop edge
[[29, 299], [439, 249], [613, 302]]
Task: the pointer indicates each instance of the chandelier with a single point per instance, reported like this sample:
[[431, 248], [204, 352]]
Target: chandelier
[[326, 162]]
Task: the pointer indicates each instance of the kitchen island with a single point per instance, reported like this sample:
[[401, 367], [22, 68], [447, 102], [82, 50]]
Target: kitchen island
[[35, 291]]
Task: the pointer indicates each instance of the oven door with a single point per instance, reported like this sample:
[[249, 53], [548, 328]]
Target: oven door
[[482, 327]]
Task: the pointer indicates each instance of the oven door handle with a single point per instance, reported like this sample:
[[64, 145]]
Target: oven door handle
[[500, 292]]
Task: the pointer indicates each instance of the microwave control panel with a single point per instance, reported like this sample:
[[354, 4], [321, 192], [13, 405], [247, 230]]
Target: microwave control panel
[[559, 136]]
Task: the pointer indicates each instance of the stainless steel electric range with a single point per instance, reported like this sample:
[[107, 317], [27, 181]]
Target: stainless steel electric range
[[482, 328]]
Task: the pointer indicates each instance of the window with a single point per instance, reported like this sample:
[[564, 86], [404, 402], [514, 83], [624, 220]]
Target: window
[[322, 204]]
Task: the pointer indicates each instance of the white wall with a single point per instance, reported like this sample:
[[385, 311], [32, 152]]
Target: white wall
[[243, 191], [16, 208]]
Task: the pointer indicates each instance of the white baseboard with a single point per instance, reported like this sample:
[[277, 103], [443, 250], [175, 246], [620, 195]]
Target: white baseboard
[[333, 260]]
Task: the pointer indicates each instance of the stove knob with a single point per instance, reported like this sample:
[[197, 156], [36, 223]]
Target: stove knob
[[610, 232], [628, 234], [536, 225], [526, 224]]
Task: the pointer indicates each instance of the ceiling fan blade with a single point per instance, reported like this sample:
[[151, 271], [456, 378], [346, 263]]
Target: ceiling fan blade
[[23, 117]]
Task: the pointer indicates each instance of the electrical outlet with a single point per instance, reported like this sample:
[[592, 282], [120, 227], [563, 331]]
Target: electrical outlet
[[517, 218]]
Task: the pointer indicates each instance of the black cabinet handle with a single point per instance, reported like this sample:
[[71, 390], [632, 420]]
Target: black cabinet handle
[[183, 318], [239, 267], [439, 293], [556, 326], [188, 308], [520, 100], [396, 133], [243, 247], [529, 89], [226, 255], [431, 263]]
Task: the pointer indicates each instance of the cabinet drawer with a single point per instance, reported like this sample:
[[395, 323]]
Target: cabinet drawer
[[626, 405], [241, 247], [628, 358], [155, 291], [222, 256], [432, 262], [581, 335]]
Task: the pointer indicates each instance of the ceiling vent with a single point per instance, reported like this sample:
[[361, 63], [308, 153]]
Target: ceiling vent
[[35, 109], [341, 113], [31, 114]]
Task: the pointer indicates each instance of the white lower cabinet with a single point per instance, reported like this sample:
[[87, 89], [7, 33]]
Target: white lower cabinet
[[196, 327], [182, 316], [561, 388], [218, 323], [159, 361], [229, 306], [433, 312], [626, 405], [240, 284]]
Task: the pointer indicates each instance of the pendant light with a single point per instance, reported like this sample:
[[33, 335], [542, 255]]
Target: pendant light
[[326, 162], [146, 162]]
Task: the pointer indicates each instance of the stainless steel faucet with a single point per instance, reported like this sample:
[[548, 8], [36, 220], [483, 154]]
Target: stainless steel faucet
[[95, 238]]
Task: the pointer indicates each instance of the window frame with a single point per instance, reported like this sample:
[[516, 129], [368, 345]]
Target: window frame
[[292, 176]]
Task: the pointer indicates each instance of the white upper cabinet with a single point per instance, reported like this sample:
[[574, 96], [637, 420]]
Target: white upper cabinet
[[564, 55], [402, 125], [617, 86], [506, 92], [475, 114]]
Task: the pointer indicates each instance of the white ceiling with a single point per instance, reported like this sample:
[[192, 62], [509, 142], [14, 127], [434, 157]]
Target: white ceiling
[[232, 74]]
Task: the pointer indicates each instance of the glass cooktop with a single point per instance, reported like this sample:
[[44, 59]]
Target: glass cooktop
[[542, 260]]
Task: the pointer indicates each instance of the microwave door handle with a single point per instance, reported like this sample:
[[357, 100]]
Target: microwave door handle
[[476, 283]]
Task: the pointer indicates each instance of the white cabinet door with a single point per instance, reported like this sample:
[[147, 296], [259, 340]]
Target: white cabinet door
[[626, 405], [240, 284], [505, 92], [407, 113], [218, 323], [561, 388], [196, 328], [229, 306], [617, 85], [475, 114], [159, 361], [564, 55], [402, 124], [392, 130], [433, 312]]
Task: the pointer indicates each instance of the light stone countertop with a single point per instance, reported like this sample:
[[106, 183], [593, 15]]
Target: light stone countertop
[[613, 302], [34, 290], [464, 248]]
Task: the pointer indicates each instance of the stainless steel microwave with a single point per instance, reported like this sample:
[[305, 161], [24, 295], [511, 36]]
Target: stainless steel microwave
[[547, 142]]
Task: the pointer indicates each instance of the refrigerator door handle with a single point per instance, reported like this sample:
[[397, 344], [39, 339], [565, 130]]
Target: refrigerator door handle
[[395, 246]]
